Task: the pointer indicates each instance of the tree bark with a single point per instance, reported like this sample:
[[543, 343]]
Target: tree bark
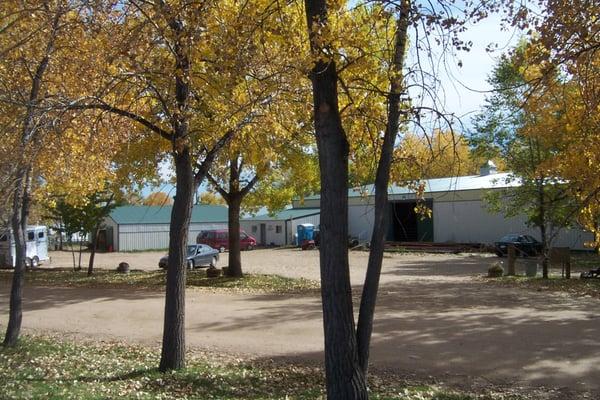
[[234, 198], [93, 250], [173, 345], [22, 185], [235, 256], [344, 377], [542, 226], [382, 179], [19, 226]]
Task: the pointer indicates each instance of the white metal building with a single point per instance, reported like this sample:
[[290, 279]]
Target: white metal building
[[131, 228], [279, 229], [459, 213]]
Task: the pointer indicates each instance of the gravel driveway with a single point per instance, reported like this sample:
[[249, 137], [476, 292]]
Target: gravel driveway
[[433, 319], [295, 263]]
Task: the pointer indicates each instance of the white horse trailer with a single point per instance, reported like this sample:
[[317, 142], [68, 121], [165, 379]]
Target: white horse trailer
[[37, 247]]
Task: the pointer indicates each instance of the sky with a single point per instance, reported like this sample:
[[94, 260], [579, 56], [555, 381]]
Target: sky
[[465, 87]]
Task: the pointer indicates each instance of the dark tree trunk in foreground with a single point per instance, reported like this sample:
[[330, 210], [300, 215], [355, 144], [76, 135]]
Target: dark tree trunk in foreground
[[345, 379], [382, 180], [19, 230], [173, 346]]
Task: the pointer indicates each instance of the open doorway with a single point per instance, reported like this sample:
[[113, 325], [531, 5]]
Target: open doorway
[[405, 225]]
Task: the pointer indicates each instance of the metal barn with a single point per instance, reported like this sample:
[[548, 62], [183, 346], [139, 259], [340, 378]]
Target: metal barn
[[279, 229], [459, 213], [132, 228]]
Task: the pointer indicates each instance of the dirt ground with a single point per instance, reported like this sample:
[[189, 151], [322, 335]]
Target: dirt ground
[[433, 319]]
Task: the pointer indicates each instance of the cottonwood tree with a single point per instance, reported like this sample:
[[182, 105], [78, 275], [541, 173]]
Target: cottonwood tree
[[37, 41], [210, 198], [438, 155], [170, 68], [157, 199], [564, 94], [274, 162], [514, 126], [347, 346]]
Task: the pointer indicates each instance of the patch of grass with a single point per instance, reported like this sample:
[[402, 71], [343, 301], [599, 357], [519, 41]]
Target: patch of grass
[[52, 368], [103, 278], [555, 283]]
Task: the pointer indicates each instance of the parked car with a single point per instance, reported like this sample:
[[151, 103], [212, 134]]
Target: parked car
[[524, 244], [219, 239], [198, 255]]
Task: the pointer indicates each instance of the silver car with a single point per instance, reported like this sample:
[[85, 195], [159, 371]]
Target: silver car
[[198, 255]]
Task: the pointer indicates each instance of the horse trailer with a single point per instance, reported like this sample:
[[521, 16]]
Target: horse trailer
[[36, 245]]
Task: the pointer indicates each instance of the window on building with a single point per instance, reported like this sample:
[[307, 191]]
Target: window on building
[[278, 229], [40, 235], [254, 228], [30, 236]]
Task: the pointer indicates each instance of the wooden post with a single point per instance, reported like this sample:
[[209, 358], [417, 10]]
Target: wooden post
[[512, 258], [562, 255]]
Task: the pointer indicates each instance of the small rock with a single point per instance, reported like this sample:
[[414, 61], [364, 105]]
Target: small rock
[[123, 268]]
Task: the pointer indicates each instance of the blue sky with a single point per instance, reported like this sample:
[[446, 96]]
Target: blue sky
[[464, 87]]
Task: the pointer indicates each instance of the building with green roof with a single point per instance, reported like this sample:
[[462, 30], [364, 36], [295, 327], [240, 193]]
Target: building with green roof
[[132, 228], [279, 229]]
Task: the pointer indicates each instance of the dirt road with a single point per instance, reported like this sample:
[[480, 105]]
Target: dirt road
[[432, 319]]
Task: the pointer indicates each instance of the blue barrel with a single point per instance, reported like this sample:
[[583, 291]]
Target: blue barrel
[[305, 232]]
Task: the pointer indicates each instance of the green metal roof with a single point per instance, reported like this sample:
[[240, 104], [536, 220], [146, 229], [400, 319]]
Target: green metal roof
[[291, 213], [128, 215]]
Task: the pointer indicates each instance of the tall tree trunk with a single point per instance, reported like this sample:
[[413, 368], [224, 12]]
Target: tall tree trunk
[[22, 187], [173, 345], [234, 203], [542, 226], [80, 251], [371, 285], [235, 256], [70, 241], [93, 249], [345, 379], [19, 228]]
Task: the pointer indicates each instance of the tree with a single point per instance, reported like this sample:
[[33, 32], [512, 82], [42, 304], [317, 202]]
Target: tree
[[233, 195], [210, 198], [347, 349], [35, 67], [171, 73], [158, 199], [439, 155], [514, 126], [564, 95]]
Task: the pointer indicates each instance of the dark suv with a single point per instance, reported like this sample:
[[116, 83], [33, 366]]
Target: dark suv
[[524, 244]]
